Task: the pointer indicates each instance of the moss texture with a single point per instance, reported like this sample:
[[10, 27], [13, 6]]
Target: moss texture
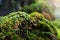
[[23, 26]]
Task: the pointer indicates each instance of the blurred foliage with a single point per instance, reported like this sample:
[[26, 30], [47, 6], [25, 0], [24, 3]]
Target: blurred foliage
[[56, 23], [23, 26], [15, 4], [39, 7], [27, 5]]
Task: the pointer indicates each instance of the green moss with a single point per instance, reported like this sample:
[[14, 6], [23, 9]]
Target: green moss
[[23, 26]]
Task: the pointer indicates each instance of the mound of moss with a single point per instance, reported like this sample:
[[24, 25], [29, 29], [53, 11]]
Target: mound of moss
[[23, 26]]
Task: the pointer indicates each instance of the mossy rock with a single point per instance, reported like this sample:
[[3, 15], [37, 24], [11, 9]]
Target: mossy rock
[[23, 26]]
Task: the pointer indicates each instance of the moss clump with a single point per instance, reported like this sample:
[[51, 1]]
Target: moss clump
[[23, 26]]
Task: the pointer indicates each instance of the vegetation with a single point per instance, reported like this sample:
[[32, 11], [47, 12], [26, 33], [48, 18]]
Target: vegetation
[[28, 20], [23, 26], [56, 23], [28, 6], [39, 7]]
